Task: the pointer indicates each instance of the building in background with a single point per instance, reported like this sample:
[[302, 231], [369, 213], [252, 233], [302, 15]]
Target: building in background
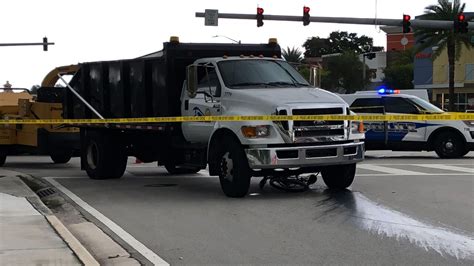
[[433, 75], [397, 40], [376, 66]]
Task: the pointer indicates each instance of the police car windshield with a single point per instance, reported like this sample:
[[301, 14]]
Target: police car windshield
[[426, 106], [258, 73]]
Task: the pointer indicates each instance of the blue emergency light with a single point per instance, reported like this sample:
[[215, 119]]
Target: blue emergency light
[[385, 91]]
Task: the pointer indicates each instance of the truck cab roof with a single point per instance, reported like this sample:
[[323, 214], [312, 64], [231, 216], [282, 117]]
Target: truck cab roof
[[225, 58]]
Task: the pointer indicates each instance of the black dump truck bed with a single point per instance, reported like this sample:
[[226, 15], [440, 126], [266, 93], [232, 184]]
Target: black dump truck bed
[[149, 86]]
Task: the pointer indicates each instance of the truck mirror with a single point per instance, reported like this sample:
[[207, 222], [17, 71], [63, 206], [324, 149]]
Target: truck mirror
[[191, 78]]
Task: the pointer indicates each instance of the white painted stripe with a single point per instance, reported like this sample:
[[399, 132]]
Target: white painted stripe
[[430, 174], [367, 162], [388, 170], [447, 167], [124, 235]]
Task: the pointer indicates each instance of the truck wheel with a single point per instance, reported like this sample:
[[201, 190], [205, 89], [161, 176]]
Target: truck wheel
[[234, 171], [61, 157], [174, 170], [3, 157], [339, 176], [104, 157], [449, 145]]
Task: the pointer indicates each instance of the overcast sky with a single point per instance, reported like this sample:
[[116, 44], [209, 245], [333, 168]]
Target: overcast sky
[[95, 30]]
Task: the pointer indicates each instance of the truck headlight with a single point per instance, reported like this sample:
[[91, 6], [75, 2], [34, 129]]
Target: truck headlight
[[469, 123], [256, 131], [357, 127]]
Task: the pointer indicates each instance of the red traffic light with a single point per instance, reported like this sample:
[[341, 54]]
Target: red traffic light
[[406, 17], [259, 10], [461, 17], [306, 9]]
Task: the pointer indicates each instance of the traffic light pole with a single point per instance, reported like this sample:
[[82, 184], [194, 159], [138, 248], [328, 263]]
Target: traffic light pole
[[45, 44], [26, 44], [435, 24]]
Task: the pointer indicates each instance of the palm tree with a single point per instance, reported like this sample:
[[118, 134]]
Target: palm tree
[[292, 55], [444, 38]]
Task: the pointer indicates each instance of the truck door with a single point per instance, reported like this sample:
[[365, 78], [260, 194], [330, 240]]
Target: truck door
[[376, 131], [206, 103], [403, 134]]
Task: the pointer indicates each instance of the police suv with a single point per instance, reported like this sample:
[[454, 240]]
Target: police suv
[[449, 139]]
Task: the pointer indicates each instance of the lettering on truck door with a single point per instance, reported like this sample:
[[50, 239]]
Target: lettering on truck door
[[206, 103]]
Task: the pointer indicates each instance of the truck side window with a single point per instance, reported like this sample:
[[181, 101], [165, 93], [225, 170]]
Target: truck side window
[[208, 79], [399, 105], [368, 105]]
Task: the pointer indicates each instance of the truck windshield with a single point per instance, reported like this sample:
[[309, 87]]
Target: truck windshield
[[259, 73], [426, 106]]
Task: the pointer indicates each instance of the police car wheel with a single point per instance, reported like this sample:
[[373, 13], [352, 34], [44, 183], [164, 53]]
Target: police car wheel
[[339, 176], [448, 145]]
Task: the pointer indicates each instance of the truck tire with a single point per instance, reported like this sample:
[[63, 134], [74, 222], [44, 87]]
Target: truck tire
[[61, 157], [3, 157], [234, 171], [104, 157], [174, 170], [449, 145], [339, 176]]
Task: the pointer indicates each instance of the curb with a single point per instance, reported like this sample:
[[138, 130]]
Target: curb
[[81, 252], [76, 247]]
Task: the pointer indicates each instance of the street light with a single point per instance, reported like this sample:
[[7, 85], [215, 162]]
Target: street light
[[215, 36]]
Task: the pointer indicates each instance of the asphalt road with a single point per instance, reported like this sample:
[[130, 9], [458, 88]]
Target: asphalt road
[[403, 208]]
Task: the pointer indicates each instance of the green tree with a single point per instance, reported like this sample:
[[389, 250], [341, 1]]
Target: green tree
[[316, 47], [338, 42], [344, 72], [399, 73], [293, 55], [34, 89], [444, 38], [304, 71]]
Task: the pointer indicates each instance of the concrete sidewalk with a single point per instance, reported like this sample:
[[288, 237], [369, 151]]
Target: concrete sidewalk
[[27, 236]]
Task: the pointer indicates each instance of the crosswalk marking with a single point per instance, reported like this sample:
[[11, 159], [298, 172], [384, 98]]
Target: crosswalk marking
[[447, 167], [388, 170]]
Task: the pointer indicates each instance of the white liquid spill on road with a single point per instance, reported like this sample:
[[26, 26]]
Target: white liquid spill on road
[[386, 222]]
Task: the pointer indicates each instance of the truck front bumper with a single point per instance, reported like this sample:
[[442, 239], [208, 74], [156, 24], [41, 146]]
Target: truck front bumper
[[305, 156]]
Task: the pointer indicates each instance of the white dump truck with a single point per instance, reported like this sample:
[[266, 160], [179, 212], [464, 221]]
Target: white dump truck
[[193, 79]]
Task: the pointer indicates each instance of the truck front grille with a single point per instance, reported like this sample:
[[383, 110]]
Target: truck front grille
[[304, 130]]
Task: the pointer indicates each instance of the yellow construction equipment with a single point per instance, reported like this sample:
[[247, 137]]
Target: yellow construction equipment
[[59, 142]]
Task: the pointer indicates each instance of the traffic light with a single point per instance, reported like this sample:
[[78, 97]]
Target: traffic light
[[306, 15], [45, 44], [460, 23], [406, 23], [259, 16]]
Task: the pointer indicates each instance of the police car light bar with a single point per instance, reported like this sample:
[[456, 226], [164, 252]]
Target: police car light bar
[[385, 91]]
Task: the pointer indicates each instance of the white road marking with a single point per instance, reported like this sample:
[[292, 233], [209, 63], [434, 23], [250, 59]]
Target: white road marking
[[124, 235], [430, 174], [447, 167], [389, 170]]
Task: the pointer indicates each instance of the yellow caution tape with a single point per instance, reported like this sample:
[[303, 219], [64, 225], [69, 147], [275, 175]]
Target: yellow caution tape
[[432, 117]]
